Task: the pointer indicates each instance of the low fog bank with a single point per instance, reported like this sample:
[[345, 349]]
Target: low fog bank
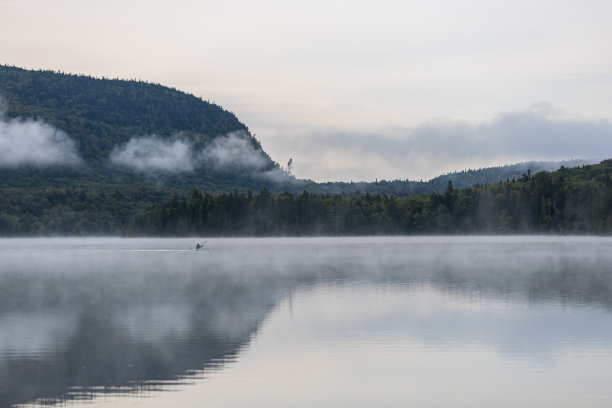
[[34, 142], [234, 152], [120, 312], [566, 267]]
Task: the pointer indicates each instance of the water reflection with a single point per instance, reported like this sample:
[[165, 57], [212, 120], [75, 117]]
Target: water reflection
[[77, 323], [84, 317]]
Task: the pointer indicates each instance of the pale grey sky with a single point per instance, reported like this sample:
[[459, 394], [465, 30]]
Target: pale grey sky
[[346, 88]]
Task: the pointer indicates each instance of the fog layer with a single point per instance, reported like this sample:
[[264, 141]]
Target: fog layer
[[234, 152], [152, 153], [34, 142]]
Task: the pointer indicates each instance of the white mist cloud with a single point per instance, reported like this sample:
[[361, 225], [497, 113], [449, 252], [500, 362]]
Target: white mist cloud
[[34, 142], [236, 152], [152, 153], [439, 146], [232, 152]]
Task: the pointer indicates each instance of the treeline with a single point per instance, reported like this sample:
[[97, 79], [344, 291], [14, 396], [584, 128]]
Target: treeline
[[575, 200], [72, 211]]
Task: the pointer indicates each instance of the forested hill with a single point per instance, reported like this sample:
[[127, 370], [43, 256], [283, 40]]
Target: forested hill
[[94, 151], [460, 179], [490, 175], [75, 131], [102, 113]]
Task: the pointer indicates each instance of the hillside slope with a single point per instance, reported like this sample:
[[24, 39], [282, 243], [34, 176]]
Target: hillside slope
[[88, 131], [101, 113]]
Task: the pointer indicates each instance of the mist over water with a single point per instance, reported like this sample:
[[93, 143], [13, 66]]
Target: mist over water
[[290, 318]]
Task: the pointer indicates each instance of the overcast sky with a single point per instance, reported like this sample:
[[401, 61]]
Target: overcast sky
[[354, 90]]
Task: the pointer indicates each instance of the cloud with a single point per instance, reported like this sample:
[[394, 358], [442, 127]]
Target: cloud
[[152, 153], [237, 152], [234, 152], [439, 146], [535, 133], [34, 142]]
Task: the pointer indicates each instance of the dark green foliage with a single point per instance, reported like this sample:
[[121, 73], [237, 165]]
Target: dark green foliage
[[577, 200], [74, 211]]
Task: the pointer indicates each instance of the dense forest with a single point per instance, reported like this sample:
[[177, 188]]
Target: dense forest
[[570, 200], [577, 200]]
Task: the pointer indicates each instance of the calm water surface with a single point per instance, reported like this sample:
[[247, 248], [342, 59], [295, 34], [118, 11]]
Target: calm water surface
[[312, 322]]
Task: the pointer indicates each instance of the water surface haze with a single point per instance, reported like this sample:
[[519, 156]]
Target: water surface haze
[[374, 321]]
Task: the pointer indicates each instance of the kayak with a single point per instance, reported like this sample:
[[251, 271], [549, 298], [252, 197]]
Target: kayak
[[200, 247]]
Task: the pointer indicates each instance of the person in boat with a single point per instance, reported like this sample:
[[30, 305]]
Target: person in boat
[[198, 246]]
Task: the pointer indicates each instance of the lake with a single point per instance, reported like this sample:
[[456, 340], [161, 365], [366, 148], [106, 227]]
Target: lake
[[306, 322]]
